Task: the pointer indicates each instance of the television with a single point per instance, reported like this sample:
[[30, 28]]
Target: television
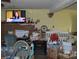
[[16, 16]]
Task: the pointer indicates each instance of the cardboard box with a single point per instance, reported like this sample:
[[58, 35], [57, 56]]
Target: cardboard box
[[52, 53], [2, 57], [33, 57]]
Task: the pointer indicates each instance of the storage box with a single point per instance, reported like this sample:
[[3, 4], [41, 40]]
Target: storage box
[[52, 53], [2, 57]]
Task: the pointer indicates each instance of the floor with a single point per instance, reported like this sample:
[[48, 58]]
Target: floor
[[40, 57], [45, 57]]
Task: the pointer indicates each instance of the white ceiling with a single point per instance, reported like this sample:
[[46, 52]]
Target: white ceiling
[[53, 5]]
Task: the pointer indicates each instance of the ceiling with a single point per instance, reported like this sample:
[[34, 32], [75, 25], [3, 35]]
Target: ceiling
[[52, 5]]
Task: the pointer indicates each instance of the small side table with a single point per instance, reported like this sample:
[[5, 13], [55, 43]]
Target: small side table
[[65, 56]]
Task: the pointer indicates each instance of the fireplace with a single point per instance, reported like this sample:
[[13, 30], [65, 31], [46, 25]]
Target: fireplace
[[40, 47]]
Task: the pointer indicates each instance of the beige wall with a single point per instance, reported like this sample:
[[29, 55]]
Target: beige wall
[[64, 20], [73, 14], [3, 11]]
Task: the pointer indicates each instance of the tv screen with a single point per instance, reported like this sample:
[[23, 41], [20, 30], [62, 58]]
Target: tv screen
[[16, 16]]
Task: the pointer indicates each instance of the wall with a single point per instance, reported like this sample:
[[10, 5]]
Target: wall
[[3, 12], [73, 14], [42, 15], [64, 20]]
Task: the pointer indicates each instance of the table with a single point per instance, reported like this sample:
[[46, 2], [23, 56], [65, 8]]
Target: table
[[65, 56]]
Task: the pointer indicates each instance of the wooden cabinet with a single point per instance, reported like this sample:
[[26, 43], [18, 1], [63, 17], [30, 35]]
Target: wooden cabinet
[[5, 27]]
